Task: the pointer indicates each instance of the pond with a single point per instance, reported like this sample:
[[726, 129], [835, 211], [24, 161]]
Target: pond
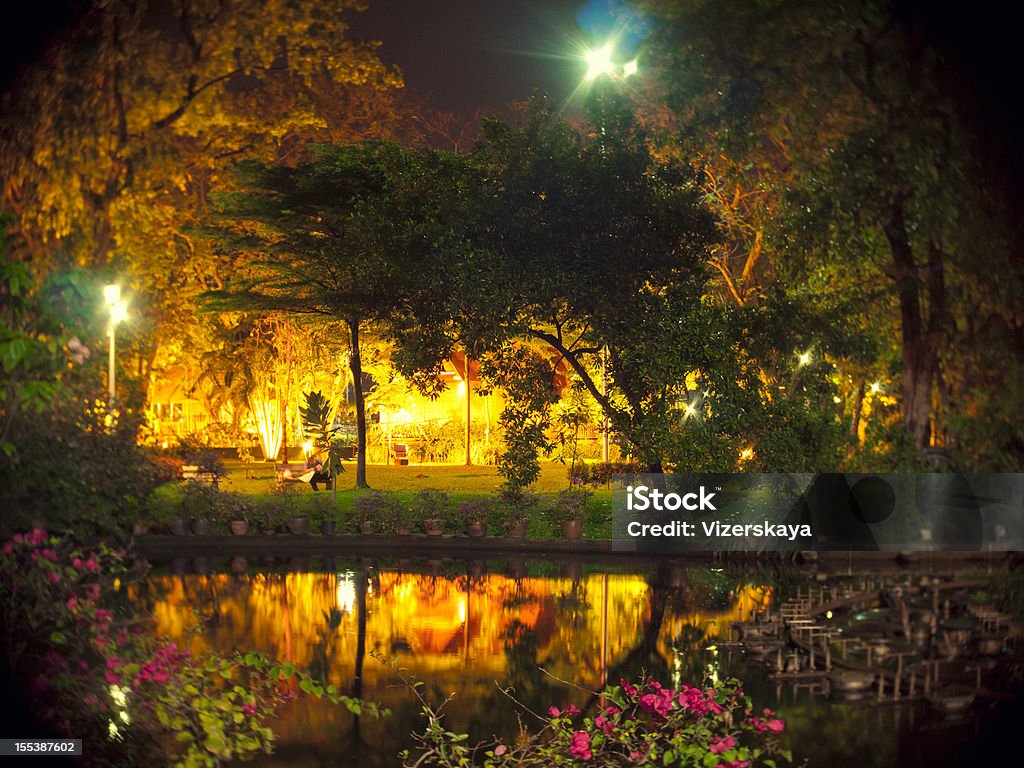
[[497, 636]]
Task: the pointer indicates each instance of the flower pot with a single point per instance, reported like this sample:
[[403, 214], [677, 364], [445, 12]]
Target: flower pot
[[179, 527], [327, 527], [239, 564], [572, 529], [366, 526], [403, 529], [516, 529], [434, 526], [200, 527], [477, 529], [298, 525], [239, 527]]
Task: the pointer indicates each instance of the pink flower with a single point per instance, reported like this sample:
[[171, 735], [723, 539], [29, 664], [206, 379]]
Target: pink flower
[[72, 603], [734, 764], [104, 615], [775, 725], [18, 538], [720, 745], [630, 689], [500, 750], [54, 577], [612, 710], [581, 745], [92, 591], [91, 564], [604, 724], [249, 709], [110, 677], [77, 563], [572, 709], [554, 711]]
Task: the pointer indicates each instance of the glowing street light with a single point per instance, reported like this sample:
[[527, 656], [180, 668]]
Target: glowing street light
[[804, 358], [118, 309], [601, 62]]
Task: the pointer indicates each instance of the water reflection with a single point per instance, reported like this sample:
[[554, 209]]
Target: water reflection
[[469, 629]]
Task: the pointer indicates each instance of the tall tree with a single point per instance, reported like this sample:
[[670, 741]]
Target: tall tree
[[883, 177], [338, 236], [110, 143]]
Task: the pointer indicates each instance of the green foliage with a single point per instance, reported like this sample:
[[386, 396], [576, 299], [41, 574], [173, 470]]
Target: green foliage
[[317, 419], [643, 724], [433, 504], [570, 504], [382, 508], [134, 698]]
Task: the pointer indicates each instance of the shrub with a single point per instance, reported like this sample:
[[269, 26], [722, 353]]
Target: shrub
[[631, 724], [569, 504], [432, 504], [382, 508]]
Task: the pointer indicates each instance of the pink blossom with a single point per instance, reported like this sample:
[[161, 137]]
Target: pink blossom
[[612, 710], [734, 764], [249, 709], [91, 564], [38, 536], [18, 538], [630, 689], [604, 724], [500, 750], [720, 745], [110, 677], [581, 745], [92, 591], [572, 709], [104, 615], [775, 725], [72, 603], [77, 563], [54, 577], [554, 711]]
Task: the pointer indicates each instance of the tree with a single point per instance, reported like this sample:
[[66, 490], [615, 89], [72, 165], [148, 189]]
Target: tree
[[337, 237], [882, 192], [111, 142], [581, 243]]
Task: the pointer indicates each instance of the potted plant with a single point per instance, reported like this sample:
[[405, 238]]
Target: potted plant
[[322, 513], [268, 516], [433, 508], [406, 520], [375, 512], [513, 509], [567, 509], [475, 515], [237, 515]]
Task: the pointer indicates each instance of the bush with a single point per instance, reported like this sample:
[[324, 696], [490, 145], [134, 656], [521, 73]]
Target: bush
[[432, 504], [569, 504]]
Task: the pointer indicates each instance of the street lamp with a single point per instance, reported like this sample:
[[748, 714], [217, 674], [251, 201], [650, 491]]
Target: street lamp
[[118, 309], [601, 62]]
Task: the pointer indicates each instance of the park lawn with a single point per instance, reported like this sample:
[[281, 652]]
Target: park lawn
[[462, 483]]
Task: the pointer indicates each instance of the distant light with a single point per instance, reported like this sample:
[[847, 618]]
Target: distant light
[[804, 358], [837, 399], [111, 294], [629, 68], [599, 62], [746, 454], [876, 387], [828, 614], [307, 447]]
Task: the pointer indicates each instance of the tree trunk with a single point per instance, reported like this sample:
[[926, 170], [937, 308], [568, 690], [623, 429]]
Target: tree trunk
[[920, 335], [355, 365]]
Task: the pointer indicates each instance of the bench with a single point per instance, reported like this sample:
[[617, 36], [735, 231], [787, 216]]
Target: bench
[[296, 473], [194, 472], [401, 454]]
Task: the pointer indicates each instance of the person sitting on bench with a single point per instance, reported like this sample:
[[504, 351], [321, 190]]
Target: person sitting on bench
[[319, 475]]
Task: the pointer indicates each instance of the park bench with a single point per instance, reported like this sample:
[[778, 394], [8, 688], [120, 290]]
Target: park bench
[[401, 454], [195, 472], [296, 473]]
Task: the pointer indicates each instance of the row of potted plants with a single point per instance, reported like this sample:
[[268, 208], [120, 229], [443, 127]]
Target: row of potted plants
[[206, 510]]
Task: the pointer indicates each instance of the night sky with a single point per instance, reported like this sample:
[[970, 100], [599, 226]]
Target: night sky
[[482, 54]]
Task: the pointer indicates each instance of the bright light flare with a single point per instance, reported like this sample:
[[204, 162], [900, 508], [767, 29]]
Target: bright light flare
[[630, 68], [599, 62], [876, 388], [804, 358]]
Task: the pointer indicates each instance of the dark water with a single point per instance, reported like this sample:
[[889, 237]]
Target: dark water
[[552, 633]]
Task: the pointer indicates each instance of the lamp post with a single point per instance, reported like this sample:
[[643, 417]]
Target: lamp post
[[118, 309]]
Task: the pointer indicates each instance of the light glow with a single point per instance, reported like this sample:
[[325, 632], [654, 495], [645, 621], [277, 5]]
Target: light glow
[[599, 62], [630, 68], [876, 388], [804, 358]]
